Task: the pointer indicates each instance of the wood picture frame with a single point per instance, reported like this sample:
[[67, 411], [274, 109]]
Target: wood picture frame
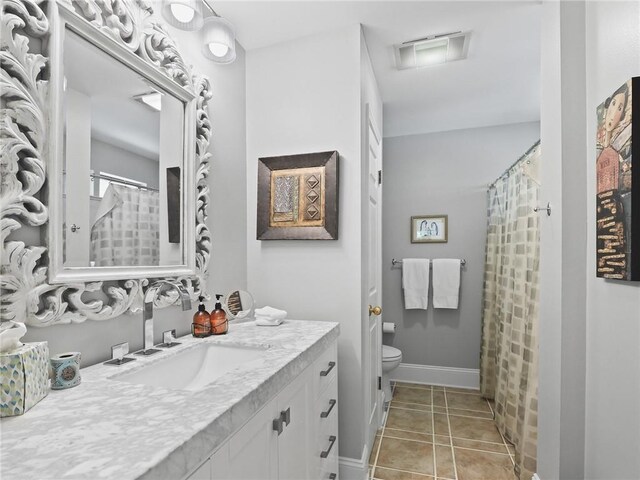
[[430, 229], [298, 197]]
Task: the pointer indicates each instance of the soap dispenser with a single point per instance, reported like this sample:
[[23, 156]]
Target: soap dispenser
[[201, 326], [218, 319]]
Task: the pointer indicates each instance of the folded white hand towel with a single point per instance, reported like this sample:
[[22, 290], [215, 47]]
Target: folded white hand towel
[[415, 282], [268, 322], [446, 282], [270, 312]]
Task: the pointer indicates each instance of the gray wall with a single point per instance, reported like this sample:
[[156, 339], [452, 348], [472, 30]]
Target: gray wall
[[227, 216], [442, 173]]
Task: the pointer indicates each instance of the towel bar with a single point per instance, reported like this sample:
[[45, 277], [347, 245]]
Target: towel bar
[[395, 262]]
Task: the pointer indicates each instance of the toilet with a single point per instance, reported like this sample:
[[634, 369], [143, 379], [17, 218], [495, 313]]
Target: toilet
[[391, 358]]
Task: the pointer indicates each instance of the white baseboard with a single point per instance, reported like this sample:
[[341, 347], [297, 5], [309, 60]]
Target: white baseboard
[[431, 375], [535, 477], [354, 468]]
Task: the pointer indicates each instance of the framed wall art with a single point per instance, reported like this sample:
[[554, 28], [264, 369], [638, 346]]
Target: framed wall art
[[298, 197], [429, 229], [618, 185]]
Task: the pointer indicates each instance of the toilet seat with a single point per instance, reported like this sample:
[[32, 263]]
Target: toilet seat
[[390, 354]]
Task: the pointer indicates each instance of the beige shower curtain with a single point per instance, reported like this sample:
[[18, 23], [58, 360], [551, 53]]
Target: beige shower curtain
[[509, 354]]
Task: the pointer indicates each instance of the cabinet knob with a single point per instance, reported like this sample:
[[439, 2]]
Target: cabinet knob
[[285, 416], [277, 425]]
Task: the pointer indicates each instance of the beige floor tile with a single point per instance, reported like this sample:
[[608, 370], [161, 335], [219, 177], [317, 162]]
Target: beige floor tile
[[474, 429], [412, 395], [467, 402], [411, 420], [389, 474], [441, 424], [438, 398], [444, 462], [437, 409], [437, 387], [474, 465], [442, 439], [411, 406], [374, 451], [472, 391], [416, 457], [470, 413], [421, 437], [478, 445], [413, 385]]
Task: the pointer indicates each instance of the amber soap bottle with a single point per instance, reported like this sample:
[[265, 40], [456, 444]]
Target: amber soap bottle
[[218, 319], [201, 326]]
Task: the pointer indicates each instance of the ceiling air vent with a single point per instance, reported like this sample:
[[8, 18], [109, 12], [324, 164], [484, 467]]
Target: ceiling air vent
[[432, 50]]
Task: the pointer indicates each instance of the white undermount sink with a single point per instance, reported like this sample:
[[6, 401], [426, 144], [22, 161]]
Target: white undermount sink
[[194, 368]]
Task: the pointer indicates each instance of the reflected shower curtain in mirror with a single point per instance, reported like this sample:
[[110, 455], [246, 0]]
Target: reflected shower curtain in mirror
[[509, 353], [126, 230]]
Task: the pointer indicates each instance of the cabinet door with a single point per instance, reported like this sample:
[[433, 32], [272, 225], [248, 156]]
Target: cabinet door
[[253, 450], [293, 444]]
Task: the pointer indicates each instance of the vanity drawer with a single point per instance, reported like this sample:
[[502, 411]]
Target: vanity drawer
[[325, 369]]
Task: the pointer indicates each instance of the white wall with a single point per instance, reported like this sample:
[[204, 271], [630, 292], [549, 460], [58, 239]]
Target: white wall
[[304, 96], [443, 173], [561, 399], [227, 216], [612, 443]]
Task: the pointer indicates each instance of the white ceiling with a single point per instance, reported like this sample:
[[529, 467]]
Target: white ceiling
[[498, 83]]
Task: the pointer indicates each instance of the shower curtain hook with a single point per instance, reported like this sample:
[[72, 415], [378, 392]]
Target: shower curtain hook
[[548, 209]]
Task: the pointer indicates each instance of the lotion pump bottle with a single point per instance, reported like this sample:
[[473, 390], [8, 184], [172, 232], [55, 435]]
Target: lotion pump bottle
[[201, 324], [218, 319]]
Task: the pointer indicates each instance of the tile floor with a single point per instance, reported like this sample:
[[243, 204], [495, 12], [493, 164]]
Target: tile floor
[[439, 433]]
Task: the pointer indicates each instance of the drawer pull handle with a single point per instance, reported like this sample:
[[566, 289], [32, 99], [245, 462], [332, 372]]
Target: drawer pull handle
[[324, 373], [277, 425], [285, 416], [333, 476], [332, 440], [332, 403]]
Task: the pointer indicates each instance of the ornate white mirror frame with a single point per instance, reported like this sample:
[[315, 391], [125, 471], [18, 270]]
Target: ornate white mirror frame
[[26, 84]]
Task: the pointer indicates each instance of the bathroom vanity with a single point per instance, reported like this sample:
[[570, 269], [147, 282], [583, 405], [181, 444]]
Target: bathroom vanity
[[274, 414]]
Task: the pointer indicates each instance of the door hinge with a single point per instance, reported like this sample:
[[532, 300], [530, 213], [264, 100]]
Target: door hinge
[[379, 177], [379, 383]]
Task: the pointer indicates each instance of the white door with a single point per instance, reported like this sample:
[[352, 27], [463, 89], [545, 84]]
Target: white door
[[373, 342]]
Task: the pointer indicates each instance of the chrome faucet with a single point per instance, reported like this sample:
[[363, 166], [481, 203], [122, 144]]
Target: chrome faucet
[[147, 311]]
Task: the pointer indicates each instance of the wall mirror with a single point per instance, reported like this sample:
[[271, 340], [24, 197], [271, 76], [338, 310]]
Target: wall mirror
[[122, 162], [105, 157]]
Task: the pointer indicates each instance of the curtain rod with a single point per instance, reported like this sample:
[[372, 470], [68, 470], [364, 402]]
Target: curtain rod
[[508, 170]]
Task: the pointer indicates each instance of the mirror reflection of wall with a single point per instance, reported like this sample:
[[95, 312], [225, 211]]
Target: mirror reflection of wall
[[122, 133]]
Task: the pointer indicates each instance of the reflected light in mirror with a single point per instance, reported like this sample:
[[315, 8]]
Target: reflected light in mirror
[[183, 13], [218, 49]]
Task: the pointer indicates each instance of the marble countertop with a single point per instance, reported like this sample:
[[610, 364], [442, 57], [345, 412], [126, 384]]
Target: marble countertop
[[106, 428]]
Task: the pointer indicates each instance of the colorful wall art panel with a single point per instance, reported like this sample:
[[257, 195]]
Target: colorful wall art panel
[[618, 185]]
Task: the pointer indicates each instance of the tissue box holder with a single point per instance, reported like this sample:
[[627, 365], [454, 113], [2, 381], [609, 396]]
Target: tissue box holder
[[24, 376]]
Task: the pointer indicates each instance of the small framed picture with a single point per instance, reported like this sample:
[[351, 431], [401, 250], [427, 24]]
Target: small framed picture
[[429, 229]]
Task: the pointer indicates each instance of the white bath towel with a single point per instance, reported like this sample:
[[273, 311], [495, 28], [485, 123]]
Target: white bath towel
[[415, 282], [270, 313], [446, 282]]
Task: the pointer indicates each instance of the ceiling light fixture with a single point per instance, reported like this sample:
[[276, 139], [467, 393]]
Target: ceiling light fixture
[[152, 100], [219, 40], [183, 14], [432, 50]]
